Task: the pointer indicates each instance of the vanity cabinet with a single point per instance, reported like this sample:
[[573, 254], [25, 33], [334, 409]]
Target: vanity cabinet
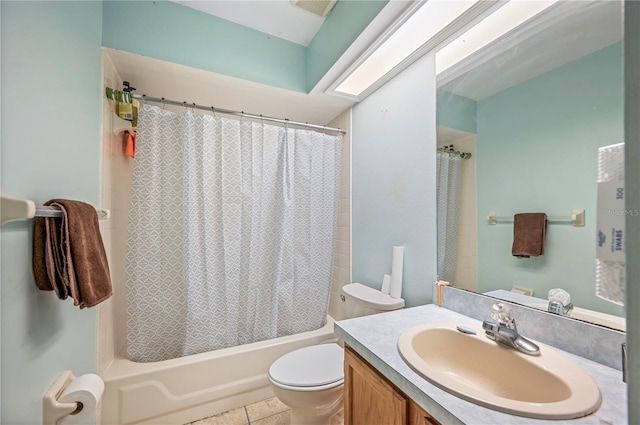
[[370, 399], [418, 416]]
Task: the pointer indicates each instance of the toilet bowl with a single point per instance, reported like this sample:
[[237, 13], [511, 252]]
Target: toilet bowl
[[310, 380]]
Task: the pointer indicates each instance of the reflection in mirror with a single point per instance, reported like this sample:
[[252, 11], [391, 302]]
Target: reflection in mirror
[[531, 108]]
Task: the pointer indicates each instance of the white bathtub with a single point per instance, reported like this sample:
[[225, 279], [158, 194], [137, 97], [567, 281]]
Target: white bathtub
[[188, 388]]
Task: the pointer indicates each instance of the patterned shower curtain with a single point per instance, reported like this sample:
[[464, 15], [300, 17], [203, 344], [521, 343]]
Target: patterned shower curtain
[[231, 233], [448, 200]]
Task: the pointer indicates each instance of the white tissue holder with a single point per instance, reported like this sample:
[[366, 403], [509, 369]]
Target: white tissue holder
[[52, 409]]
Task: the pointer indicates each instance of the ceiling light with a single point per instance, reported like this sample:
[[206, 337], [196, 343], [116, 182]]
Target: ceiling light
[[414, 32], [494, 26]]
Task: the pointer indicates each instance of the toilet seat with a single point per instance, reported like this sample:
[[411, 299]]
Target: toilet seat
[[311, 368]]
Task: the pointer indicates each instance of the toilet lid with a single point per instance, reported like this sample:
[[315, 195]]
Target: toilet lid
[[309, 366], [372, 298]]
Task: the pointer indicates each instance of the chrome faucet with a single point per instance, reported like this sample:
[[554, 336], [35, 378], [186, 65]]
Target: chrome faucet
[[504, 331], [559, 302], [557, 307]]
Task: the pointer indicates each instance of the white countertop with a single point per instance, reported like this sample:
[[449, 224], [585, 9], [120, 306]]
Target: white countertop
[[375, 339]]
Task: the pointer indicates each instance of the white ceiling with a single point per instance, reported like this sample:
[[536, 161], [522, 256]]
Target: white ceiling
[[278, 18], [563, 34]]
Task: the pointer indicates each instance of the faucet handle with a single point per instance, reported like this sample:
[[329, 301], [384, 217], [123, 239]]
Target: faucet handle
[[559, 302], [559, 295], [502, 314]]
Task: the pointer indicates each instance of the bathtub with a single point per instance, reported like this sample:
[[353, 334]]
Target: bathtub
[[189, 388]]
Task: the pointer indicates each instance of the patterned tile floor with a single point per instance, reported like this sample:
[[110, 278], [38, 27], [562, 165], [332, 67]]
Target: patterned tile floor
[[266, 412]]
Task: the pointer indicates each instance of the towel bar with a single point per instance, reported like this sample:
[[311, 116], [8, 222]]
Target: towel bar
[[576, 218], [45, 211], [22, 209]]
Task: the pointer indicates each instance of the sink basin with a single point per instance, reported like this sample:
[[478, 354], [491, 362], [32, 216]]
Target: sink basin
[[477, 369]]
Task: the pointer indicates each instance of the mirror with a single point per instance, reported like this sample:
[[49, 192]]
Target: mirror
[[532, 107]]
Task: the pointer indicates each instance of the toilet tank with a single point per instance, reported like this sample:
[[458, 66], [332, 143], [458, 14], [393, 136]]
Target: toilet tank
[[361, 300]]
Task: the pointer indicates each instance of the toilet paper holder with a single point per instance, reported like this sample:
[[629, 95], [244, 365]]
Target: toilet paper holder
[[52, 409]]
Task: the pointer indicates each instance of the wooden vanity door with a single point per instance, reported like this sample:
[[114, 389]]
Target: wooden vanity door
[[368, 398], [417, 416]]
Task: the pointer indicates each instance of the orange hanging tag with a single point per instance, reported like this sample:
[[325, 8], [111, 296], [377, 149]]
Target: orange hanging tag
[[130, 144]]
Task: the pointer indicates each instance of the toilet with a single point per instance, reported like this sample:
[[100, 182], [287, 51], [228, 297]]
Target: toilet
[[310, 380]]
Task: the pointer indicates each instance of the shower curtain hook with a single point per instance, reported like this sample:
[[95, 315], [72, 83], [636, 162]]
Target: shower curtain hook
[[242, 117], [261, 120], [163, 104], [184, 103], [214, 111]]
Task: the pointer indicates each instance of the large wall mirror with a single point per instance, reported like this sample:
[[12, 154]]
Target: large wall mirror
[[532, 104]]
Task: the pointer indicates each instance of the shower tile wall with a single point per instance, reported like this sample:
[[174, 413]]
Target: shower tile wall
[[342, 250], [466, 276], [116, 189]]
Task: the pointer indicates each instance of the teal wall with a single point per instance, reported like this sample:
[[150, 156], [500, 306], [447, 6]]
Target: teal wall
[[456, 111], [537, 144], [52, 100], [393, 181], [174, 33], [168, 31], [340, 29]]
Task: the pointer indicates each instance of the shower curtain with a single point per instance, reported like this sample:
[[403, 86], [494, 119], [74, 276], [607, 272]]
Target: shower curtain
[[231, 233], [448, 201]]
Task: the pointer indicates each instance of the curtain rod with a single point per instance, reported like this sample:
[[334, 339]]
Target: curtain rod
[[236, 113], [125, 96], [463, 155], [450, 150]]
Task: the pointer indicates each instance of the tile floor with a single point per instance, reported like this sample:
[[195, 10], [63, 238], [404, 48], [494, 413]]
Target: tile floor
[[266, 412]]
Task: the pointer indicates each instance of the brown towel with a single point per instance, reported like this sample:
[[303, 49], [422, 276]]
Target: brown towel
[[69, 256], [529, 231]]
